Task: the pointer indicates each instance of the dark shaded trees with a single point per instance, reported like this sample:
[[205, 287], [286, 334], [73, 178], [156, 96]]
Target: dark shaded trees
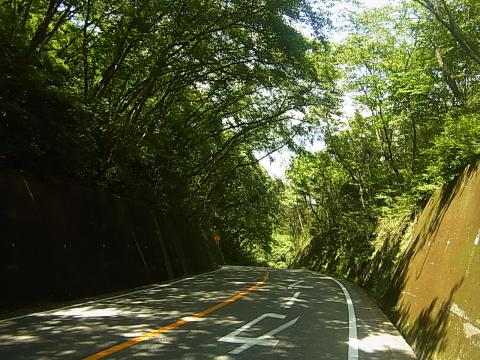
[[161, 100]]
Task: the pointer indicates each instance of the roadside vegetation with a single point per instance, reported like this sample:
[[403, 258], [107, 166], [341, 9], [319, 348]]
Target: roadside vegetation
[[175, 102], [413, 71], [163, 101]]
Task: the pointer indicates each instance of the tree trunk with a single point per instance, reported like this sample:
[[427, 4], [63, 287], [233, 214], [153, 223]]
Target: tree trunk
[[41, 33], [447, 75]]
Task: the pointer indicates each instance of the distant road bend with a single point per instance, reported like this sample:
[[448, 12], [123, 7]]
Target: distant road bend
[[231, 313]]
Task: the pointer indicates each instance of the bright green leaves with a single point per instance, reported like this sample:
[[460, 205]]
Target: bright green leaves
[[460, 18], [413, 73], [457, 146]]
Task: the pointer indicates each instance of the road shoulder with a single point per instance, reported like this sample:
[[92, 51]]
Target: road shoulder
[[377, 336]]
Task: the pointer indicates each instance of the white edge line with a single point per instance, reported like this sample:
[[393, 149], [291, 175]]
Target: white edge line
[[352, 321], [149, 287]]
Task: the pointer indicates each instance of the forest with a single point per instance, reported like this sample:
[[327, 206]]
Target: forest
[[174, 103]]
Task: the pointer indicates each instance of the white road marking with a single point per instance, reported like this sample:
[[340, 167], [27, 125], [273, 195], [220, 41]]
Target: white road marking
[[267, 335], [352, 322], [150, 287], [295, 285], [265, 340], [290, 302], [233, 335]]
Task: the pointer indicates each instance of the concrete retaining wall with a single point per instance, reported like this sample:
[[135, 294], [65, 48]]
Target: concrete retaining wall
[[437, 284], [60, 241]]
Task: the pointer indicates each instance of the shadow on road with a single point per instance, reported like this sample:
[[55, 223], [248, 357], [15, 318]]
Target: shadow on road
[[82, 330]]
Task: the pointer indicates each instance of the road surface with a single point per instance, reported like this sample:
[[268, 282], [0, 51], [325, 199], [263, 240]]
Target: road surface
[[231, 313]]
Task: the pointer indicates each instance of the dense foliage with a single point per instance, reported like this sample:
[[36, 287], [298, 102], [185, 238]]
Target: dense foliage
[[413, 71], [172, 101], [162, 100]]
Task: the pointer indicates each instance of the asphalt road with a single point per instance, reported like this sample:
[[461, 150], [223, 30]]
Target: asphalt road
[[232, 313]]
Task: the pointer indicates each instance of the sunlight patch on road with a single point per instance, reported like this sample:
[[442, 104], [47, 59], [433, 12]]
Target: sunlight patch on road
[[192, 318], [382, 343], [133, 334], [17, 339], [67, 352], [89, 312]]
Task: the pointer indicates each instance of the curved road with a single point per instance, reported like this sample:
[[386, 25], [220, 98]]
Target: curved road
[[232, 313]]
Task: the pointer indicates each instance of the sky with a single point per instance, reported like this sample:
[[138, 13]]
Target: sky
[[277, 163]]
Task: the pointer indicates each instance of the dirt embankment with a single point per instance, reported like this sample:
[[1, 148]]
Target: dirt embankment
[[436, 289]]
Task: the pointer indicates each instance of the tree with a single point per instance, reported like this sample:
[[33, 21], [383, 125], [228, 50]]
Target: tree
[[415, 85], [448, 14], [161, 100]]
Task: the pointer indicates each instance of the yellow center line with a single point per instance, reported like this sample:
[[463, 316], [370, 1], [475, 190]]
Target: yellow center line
[[178, 323]]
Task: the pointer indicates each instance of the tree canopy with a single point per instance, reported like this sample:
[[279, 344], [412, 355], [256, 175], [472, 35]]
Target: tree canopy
[[172, 101], [162, 100], [413, 72]]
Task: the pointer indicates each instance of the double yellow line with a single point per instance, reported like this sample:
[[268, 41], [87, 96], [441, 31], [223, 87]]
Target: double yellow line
[[178, 323]]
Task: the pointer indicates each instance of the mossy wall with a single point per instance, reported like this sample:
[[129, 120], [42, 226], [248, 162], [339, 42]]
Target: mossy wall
[[436, 288], [60, 241]]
